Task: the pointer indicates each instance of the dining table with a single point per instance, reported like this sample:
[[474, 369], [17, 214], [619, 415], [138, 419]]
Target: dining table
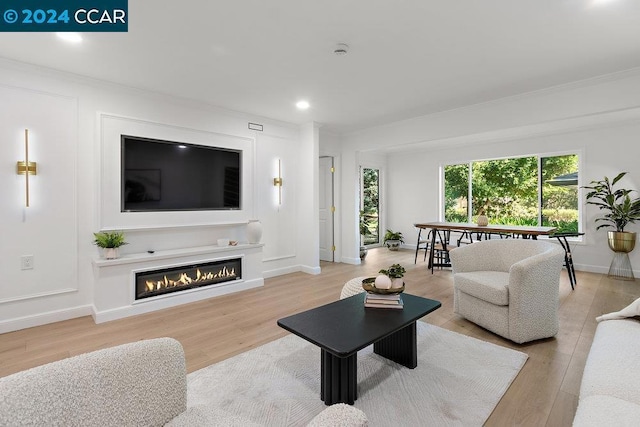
[[524, 231]]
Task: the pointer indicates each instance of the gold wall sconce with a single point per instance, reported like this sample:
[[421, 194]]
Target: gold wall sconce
[[26, 167], [277, 182]]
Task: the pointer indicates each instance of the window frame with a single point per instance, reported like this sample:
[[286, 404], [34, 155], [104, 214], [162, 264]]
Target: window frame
[[538, 156]]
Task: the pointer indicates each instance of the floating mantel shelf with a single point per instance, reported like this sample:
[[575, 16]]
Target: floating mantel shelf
[[172, 253]]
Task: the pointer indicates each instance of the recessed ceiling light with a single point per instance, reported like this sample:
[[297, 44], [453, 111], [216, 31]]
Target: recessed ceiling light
[[182, 146], [302, 105], [70, 37], [341, 49]]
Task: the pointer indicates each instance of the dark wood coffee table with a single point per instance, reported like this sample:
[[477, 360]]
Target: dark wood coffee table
[[343, 327]]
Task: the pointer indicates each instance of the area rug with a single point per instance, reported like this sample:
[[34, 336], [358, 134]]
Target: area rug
[[459, 381]]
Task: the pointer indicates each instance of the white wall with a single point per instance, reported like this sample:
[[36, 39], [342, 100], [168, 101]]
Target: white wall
[[600, 118], [63, 113]]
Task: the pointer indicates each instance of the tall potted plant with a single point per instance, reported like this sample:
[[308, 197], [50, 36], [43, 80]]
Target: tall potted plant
[[620, 209]]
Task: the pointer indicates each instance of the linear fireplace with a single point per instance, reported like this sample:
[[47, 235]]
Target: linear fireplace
[[179, 278]]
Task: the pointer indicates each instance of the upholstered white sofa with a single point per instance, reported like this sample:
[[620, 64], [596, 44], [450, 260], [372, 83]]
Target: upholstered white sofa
[[509, 286], [610, 389], [138, 384]]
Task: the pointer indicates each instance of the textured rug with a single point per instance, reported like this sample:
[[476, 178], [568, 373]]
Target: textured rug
[[459, 381]]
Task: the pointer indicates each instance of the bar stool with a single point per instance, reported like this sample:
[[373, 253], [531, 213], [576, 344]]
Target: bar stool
[[423, 244], [441, 249]]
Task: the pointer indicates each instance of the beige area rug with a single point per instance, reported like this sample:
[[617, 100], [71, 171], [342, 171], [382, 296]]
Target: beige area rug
[[459, 381]]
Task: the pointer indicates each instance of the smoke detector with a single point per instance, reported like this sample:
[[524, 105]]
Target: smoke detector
[[341, 49]]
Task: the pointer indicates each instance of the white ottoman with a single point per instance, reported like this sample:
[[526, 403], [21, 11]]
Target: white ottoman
[[352, 287]]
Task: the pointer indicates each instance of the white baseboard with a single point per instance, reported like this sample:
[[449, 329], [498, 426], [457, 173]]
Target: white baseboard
[[274, 272], [291, 269], [598, 269], [44, 318], [175, 300], [310, 270], [352, 261]]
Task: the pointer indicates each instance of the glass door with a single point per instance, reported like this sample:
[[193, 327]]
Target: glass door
[[369, 206]]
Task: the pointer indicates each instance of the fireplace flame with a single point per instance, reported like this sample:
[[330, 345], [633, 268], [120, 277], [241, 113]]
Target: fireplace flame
[[185, 279]]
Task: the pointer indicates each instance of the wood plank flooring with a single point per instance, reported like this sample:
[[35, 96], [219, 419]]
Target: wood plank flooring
[[544, 393]]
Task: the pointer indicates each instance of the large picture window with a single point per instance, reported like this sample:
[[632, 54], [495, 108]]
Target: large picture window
[[533, 190]]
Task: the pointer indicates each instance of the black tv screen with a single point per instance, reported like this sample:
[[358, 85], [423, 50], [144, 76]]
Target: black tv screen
[[174, 176]]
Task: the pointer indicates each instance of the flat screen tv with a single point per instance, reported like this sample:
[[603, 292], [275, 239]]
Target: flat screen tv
[[174, 176]]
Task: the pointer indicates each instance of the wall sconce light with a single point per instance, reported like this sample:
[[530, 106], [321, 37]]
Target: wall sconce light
[[26, 167], [277, 182]]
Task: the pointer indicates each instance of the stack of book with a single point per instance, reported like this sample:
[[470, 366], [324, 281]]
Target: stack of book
[[383, 301]]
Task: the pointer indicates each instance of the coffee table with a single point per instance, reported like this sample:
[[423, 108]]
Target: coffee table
[[343, 327]]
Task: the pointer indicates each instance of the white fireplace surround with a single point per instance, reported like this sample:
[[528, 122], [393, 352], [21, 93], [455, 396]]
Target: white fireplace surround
[[114, 285], [114, 292]]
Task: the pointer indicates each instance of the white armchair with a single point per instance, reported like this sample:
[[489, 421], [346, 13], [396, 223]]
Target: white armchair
[[509, 287]]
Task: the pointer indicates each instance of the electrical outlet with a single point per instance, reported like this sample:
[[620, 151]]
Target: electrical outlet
[[26, 262]]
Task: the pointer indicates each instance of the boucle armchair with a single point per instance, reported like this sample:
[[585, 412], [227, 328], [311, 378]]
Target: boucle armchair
[[138, 384], [510, 287]]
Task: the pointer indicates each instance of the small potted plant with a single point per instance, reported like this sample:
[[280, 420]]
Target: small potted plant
[[109, 241], [391, 278], [393, 240]]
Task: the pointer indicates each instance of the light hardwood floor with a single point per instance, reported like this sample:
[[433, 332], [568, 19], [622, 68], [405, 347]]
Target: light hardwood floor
[[544, 393]]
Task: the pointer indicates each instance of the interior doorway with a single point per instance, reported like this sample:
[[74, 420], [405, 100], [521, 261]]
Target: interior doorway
[[327, 208]]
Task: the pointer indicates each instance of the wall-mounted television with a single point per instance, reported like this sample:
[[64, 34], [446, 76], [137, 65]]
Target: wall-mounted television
[[162, 175]]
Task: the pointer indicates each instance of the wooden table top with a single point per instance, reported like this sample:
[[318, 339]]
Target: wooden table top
[[491, 228]]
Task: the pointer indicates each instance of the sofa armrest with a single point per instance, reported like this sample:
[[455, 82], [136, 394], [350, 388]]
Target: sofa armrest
[[141, 383]]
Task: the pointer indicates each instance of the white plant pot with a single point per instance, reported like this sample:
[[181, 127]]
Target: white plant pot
[[393, 245], [397, 283], [254, 231], [111, 253]]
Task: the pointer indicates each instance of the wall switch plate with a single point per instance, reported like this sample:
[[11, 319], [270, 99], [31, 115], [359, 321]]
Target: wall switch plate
[[26, 262]]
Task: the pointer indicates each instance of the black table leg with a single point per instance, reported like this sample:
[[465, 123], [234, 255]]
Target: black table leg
[[401, 347], [432, 249], [338, 378], [568, 260]]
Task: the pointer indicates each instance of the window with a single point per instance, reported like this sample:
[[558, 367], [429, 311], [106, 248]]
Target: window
[[532, 190]]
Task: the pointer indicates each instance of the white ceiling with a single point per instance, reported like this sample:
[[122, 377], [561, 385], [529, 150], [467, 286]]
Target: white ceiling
[[407, 57]]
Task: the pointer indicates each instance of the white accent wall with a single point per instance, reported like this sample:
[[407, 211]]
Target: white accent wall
[[65, 116], [598, 118]]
